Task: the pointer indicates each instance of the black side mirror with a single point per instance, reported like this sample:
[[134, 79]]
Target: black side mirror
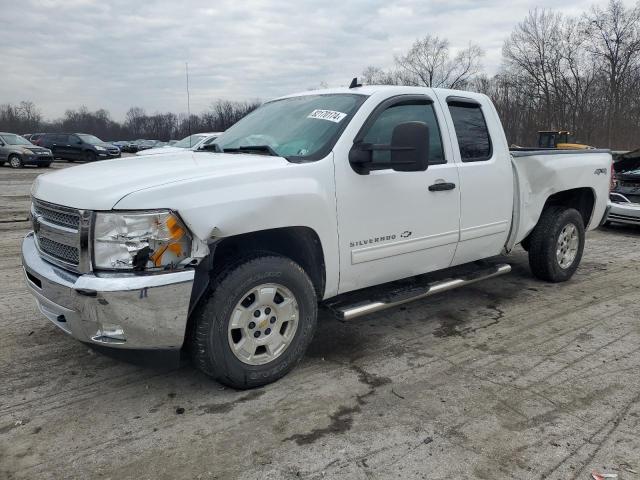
[[409, 151], [410, 147]]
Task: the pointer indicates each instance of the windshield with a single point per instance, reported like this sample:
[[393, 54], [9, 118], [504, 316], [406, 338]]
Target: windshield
[[297, 128], [188, 142], [90, 139], [13, 139]]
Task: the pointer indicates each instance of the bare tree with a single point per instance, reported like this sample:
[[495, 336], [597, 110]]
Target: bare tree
[[377, 76], [428, 63], [614, 34], [532, 53], [134, 120]]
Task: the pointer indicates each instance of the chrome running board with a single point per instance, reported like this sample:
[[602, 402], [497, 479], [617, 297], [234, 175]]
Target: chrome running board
[[349, 312]]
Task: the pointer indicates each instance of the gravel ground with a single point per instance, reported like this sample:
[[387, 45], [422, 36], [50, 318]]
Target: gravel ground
[[509, 378]]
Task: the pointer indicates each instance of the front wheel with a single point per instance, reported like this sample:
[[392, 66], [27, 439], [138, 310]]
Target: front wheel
[[15, 161], [256, 323], [90, 156], [556, 244]]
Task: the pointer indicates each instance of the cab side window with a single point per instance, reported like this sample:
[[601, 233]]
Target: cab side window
[[382, 128], [472, 132]]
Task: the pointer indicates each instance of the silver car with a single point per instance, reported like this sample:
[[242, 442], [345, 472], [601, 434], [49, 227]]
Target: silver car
[[624, 199], [18, 152]]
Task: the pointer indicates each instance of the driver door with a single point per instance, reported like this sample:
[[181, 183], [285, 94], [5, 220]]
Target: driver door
[[394, 224]]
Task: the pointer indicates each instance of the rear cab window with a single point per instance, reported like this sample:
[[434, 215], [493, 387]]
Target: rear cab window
[[474, 140]]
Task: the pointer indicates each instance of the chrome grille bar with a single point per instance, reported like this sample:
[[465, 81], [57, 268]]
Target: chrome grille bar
[[62, 235], [58, 216]]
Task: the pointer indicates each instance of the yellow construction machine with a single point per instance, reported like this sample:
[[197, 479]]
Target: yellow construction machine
[[561, 139]]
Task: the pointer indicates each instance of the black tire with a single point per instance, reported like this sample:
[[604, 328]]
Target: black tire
[[209, 343], [15, 161], [90, 156], [543, 242]]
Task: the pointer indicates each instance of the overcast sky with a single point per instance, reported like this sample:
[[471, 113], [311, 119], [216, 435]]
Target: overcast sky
[[115, 54]]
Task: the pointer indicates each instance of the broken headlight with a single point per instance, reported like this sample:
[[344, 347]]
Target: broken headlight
[[154, 240]]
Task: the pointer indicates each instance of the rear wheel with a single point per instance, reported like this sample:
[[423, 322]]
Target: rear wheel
[[256, 323], [556, 244], [15, 161]]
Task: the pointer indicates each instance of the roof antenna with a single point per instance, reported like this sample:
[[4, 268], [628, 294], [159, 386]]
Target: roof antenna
[[354, 83]]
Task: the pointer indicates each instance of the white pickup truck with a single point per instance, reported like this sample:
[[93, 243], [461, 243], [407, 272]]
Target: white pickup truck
[[227, 253]]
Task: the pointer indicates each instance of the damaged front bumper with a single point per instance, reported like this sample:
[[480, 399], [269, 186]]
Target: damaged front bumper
[[622, 210], [120, 310]]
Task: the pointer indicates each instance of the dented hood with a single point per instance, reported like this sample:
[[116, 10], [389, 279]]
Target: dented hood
[[100, 185]]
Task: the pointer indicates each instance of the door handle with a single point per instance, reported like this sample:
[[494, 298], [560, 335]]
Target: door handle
[[442, 186]]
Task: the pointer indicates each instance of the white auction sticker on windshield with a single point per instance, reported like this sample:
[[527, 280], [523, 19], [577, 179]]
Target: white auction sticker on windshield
[[330, 115]]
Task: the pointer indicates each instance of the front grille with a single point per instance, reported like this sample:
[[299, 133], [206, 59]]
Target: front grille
[[60, 251], [58, 217], [62, 235]]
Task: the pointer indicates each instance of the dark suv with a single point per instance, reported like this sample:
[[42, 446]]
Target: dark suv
[[78, 146]]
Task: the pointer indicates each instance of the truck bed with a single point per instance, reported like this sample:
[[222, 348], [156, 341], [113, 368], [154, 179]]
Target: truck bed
[[540, 173]]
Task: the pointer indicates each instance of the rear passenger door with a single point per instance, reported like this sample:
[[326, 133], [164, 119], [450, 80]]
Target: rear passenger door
[[75, 147], [4, 150], [58, 143], [486, 177]]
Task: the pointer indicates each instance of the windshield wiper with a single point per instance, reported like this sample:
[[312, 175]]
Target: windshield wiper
[[253, 148]]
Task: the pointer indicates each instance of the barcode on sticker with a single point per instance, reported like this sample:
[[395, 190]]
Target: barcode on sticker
[[330, 115]]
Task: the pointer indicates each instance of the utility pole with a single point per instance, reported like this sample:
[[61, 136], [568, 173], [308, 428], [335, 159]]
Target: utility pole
[[186, 65]]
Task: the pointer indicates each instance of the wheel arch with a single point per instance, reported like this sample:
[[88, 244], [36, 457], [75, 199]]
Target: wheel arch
[[300, 244], [583, 199]]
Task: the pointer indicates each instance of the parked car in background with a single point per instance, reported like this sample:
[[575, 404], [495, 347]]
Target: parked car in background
[[119, 143], [78, 146], [193, 142], [148, 144], [141, 144], [18, 152], [624, 199], [35, 138], [128, 146]]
